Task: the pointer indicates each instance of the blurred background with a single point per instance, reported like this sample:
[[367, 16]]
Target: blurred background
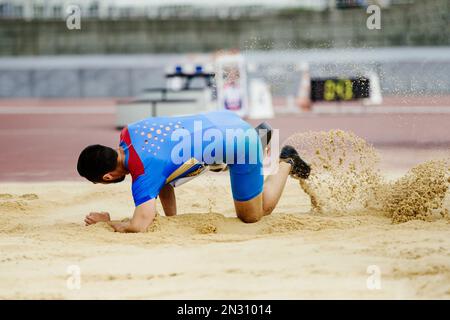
[[73, 72]]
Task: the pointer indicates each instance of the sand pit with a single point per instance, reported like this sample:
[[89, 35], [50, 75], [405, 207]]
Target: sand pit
[[322, 250]]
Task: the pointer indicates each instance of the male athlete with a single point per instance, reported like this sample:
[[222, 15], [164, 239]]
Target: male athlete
[[163, 152]]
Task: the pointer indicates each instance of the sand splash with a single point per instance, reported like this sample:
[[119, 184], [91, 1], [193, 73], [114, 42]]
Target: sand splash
[[345, 178], [420, 194]]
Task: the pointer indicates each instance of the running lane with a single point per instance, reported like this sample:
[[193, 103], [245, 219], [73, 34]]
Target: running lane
[[40, 145]]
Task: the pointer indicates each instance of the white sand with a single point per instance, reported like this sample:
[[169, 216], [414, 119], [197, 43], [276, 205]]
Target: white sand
[[206, 252]]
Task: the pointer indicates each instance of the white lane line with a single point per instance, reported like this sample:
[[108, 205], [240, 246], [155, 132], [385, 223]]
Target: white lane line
[[57, 110]]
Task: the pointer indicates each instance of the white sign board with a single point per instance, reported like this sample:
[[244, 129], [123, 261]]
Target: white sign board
[[260, 100], [231, 81]]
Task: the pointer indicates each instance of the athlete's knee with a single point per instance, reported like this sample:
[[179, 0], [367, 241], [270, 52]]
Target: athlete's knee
[[250, 217], [268, 210], [250, 211]]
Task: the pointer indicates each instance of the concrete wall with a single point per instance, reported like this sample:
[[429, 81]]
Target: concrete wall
[[419, 24], [402, 71]]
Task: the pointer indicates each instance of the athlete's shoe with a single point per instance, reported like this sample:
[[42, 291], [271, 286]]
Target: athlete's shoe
[[300, 169]]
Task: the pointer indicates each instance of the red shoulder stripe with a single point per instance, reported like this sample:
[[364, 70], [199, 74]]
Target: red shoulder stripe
[[135, 165], [125, 136]]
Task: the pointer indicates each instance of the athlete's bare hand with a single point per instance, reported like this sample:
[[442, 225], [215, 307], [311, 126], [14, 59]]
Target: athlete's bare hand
[[95, 217]]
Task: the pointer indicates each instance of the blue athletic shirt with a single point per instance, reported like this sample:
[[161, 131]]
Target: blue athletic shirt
[[148, 149]]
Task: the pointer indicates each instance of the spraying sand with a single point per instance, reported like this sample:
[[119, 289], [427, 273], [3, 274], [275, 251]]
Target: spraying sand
[[322, 243], [346, 178]]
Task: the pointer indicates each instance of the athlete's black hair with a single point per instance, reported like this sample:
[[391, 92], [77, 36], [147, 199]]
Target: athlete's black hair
[[95, 161]]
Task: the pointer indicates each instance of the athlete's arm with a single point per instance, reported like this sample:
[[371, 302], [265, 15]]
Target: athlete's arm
[[168, 200], [143, 216]]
